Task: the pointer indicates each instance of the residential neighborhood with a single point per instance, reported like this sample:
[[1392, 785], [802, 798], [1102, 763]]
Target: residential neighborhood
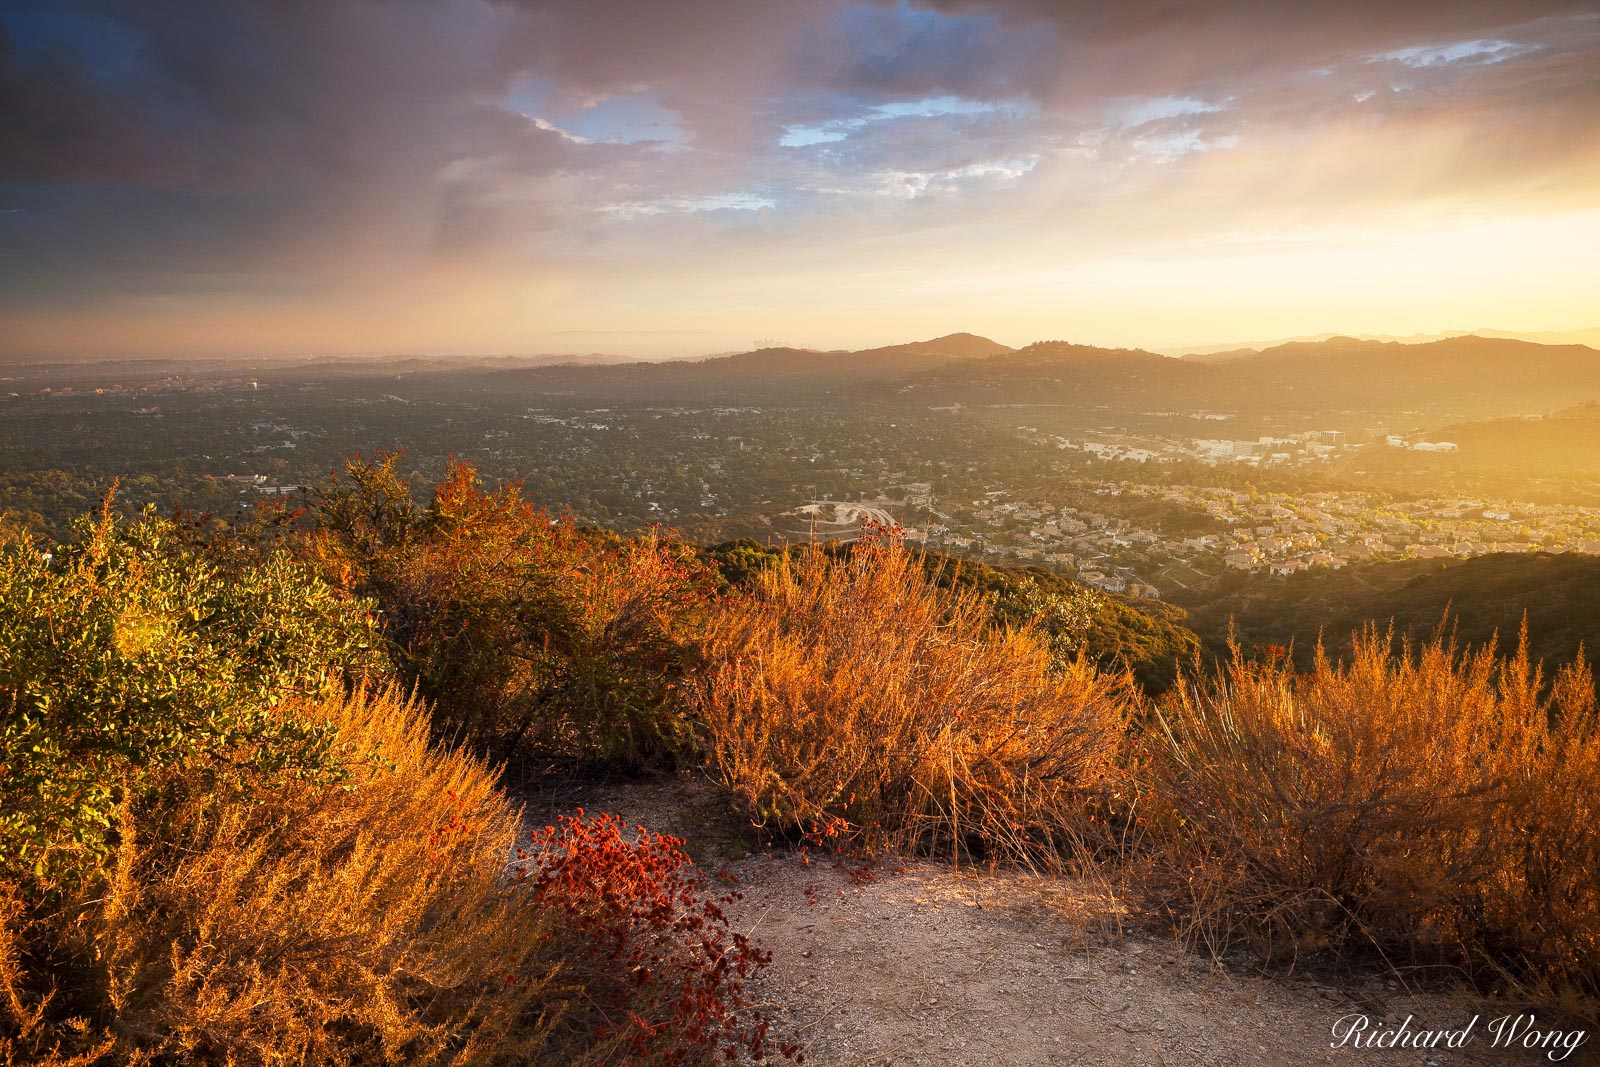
[[1277, 533]]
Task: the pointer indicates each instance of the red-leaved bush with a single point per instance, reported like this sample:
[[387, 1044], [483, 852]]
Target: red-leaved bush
[[663, 970]]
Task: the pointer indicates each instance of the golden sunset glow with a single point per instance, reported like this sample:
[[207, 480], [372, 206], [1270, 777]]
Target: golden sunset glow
[[585, 533]]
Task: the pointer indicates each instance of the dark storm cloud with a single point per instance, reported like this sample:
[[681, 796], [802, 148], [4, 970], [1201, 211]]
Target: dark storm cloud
[[1260, 27], [57, 124], [896, 52]]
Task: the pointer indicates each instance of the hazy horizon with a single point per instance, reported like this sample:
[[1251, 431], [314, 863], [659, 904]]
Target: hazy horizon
[[619, 353], [508, 176]]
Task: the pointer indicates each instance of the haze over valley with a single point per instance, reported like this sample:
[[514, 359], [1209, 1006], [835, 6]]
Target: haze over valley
[[1125, 468]]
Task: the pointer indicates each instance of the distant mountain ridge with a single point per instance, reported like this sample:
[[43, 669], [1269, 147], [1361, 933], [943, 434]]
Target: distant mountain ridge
[[763, 373], [950, 346], [1467, 377], [1471, 374], [1584, 336]]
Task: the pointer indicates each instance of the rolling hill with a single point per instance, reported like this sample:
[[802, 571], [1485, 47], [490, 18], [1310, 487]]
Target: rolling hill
[[1059, 372], [1560, 594], [1461, 377], [764, 374], [1567, 442], [1458, 379], [1472, 375]]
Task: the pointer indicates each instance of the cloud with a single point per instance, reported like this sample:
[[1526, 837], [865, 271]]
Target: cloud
[[58, 124], [909, 185], [269, 148], [837, 129], [693, 205], [1474, 51]]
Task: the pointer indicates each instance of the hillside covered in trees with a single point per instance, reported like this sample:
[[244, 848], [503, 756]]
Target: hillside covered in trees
[[1475, 600]]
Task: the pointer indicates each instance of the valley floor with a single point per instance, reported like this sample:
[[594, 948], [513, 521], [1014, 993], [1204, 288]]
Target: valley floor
[[926, 964]]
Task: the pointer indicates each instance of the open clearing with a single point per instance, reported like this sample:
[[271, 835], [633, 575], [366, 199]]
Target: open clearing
[[926, 964]]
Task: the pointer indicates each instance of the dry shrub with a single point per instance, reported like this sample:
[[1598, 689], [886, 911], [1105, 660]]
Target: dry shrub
[[378, 921], [531, 637], [1434, 806], [1542, 908], [301, 922], [853, 695]]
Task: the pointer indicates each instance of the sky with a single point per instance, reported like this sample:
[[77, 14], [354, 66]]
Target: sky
[[671, 178]]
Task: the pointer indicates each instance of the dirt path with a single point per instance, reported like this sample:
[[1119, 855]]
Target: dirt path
[[930, 965]]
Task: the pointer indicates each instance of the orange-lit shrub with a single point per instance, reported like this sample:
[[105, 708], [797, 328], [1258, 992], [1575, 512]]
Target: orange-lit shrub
[[379, 920], [1541, 908], [282, 920], [1430, 805], [852, 693], [528, 634]]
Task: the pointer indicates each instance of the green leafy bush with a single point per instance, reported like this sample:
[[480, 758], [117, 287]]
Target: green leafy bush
[[124, 654]]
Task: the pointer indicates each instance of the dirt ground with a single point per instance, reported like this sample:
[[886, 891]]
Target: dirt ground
[[926, 964]]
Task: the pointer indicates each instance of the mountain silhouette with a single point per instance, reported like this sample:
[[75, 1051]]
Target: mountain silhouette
[[1464, 377], [763, 374]]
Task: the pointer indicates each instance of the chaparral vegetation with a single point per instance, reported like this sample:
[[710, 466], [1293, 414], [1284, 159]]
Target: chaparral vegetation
[[254, 811]]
